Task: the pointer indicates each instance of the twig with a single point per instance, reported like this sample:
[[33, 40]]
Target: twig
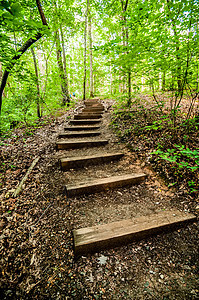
[[20, 186]]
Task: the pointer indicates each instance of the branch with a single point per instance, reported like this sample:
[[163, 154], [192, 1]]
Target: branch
[[20, 186], [126, 4], [43, 18], [20, 52]]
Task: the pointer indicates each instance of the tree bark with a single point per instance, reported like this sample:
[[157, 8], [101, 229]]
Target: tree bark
[[21, 51], [111, 80], [64, 86], [64, 64], [85, 40], [37, 83], [177, 42], [163, 80], [91, 52], [126, 42]]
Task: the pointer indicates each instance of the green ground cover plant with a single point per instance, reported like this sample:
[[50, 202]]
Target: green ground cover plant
[[171, 150]]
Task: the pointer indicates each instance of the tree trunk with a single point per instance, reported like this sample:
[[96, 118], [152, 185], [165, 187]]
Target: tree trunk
[[1, 76], [37, 83], [91, 52], [21, 51], [85, 35], [177, 48], [125, 43], [61, 70], [163, 80], [64, 63], [111, 80]]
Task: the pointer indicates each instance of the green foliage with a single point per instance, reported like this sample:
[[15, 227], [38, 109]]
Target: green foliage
[[181, 157], [156, 125]]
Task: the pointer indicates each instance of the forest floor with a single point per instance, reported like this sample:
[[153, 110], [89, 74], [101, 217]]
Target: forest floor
[[37, 258]]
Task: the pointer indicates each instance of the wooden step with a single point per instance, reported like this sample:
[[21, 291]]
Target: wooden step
[[80, 144], [77, 162], [97, 238], [93, 110], [79, 134], [101, 184], [84, 122], [83, 116], [94, 106], [79, 128], [92, 102], [98, 105]]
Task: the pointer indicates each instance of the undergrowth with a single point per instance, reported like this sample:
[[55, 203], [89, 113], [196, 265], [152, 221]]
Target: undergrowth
[[172, 151]]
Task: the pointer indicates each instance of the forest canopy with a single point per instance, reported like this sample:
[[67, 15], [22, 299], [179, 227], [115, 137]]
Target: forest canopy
[[51, 50]]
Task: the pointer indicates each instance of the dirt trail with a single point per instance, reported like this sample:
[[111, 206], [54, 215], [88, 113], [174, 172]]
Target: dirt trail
[[38, 260]]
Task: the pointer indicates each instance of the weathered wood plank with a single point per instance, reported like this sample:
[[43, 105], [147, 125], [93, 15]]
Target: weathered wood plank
[[97, 238], [85, 122], [101, 184], [83, 116], [98, 105], [93, 110], [79, 134], [77, 162], [81, 128], [80, 144]]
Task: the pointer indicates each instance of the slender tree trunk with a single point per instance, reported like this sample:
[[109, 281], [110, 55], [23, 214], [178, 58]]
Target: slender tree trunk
[[91, 52], [129, 69], [64, 63], [61, 70], [179, 79], [21, 51], [85, 40], [197, 75], [197, 68], [111, 80], [1, 76], [94, 80], [124, 49], [124, 4], [37, 83], [172, 81], [177, 42], [163, 80], [120, 83]]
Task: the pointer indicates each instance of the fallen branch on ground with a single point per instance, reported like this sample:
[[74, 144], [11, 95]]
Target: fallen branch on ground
[[20, 186]]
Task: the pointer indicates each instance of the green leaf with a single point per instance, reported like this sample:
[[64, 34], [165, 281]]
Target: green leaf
[[16, 9]]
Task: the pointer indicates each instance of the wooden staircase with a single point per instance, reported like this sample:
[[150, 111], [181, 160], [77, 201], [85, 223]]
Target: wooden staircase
[[93, 239]]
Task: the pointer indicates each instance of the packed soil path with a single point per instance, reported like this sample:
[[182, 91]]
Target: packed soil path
[[160, 267]]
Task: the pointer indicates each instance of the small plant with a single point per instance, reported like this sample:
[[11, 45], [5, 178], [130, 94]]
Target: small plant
[[192, 185], [183, 157], [156, 125]]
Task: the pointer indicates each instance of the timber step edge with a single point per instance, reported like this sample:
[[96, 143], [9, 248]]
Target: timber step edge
[[97, 238], [63, 145], [77, 162], [86, 116], [92, 111], [81, 128], [100, 184], [79, 134], [85, 122], [94, 105], [92, 102]]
